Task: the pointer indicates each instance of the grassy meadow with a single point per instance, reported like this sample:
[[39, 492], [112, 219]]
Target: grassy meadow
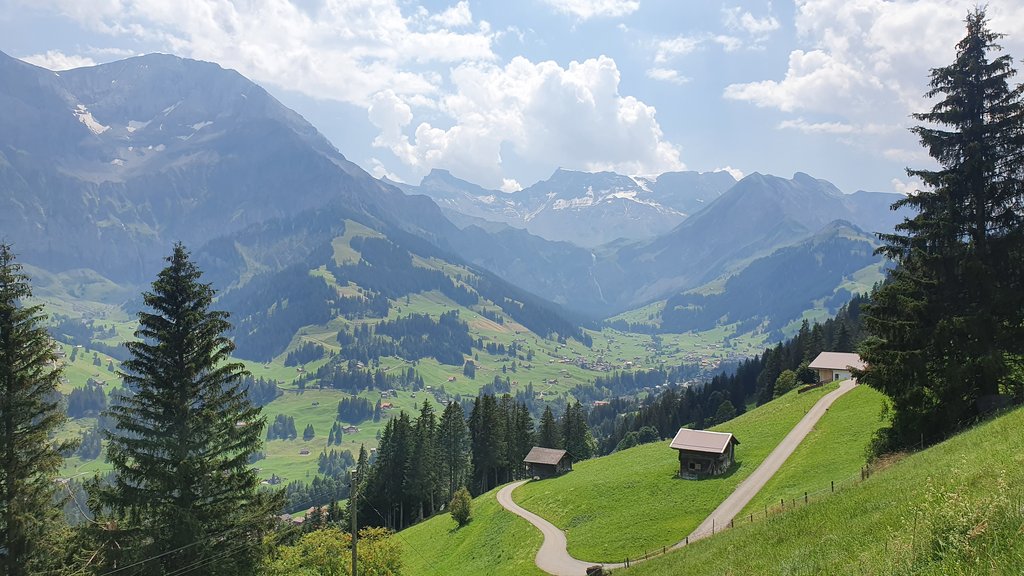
[[632, 501], [496, 542], [955, 508], [835, 450]]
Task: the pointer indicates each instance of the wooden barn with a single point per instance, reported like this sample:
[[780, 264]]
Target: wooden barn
[[547, 462], [704, 453]]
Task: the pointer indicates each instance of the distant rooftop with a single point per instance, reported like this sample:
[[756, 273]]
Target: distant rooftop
[[837, 361], [702, 441], [540, 455]]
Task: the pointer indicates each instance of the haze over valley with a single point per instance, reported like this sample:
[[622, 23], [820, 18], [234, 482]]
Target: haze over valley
[[415, 288]]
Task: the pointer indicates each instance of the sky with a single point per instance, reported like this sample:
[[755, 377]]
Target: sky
[[503, 92]]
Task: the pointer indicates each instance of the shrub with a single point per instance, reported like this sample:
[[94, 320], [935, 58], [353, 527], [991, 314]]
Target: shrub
[[460, 507]]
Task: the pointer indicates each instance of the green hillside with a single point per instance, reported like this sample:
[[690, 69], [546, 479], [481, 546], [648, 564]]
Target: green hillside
[[952, 509], [835, 450], [632, 501], [551, 367], [496, 542]]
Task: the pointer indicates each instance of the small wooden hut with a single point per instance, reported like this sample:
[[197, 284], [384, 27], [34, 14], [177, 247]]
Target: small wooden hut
[[547, 462], [704, 453]]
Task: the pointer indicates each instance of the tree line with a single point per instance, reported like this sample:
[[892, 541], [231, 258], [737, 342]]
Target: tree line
[[423, 461]]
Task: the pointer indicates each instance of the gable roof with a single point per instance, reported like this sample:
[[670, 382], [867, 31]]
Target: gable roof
[[540, 455], [703, 441], [837, 361]]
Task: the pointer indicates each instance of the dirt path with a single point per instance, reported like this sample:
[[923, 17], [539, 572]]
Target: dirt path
[[553, 556]]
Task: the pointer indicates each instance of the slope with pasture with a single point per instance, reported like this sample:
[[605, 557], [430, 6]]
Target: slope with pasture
[[951, 509], [495, 542], [633, 501], [835, 451]]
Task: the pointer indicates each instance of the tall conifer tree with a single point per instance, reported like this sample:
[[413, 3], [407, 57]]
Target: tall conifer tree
[[454, 450], [184, 496], [424, 462], [30, 414], [949, 321], [549, 436]]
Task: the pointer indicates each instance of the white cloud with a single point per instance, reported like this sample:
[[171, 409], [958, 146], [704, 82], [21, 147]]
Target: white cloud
[[455, 16], [739, 19], [906, 187], [815, 81], [378, 170], [587, 9], [510, 185], [547, 115], [666, 50], [666, 75], [836, 127], [862, 67], [57, 60], [728, 43], [907, 155], [734, 172], [870, 57], [327, 49]]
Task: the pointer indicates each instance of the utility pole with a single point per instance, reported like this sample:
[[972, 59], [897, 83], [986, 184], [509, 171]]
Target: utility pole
[[352, 507]]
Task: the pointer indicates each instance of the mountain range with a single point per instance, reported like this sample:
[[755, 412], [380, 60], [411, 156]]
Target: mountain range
[[586, 209], [102, 168]]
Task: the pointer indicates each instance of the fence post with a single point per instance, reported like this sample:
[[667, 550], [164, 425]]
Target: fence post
[[782, 503], [833, 485], [687, 541], [712, 526], [805, 497]]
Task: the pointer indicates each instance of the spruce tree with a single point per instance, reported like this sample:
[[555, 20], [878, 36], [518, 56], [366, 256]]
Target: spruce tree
[[453, 440], [423, 469], [549, 436], [30, 414], [575, 432], [947, 325], [487, 443], [184, 497]]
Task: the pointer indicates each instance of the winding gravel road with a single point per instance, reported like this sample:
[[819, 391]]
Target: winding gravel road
[[553, 556]]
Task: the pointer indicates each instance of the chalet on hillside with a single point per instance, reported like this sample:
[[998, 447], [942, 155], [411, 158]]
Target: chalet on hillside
[[547, 462], [703, 452], [834, 366]]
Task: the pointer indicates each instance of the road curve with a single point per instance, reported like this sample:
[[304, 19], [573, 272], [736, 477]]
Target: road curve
[[553, 556]]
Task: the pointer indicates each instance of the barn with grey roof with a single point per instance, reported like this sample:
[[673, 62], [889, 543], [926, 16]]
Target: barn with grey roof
[[703, 452]]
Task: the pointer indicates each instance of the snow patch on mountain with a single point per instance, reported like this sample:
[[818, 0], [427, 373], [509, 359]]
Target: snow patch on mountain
[[85, 117], [135, 125]]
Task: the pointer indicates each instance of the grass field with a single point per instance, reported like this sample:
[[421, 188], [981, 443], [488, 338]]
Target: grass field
[[956, 508], [834, 451], [495, 543], [632, 501]]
